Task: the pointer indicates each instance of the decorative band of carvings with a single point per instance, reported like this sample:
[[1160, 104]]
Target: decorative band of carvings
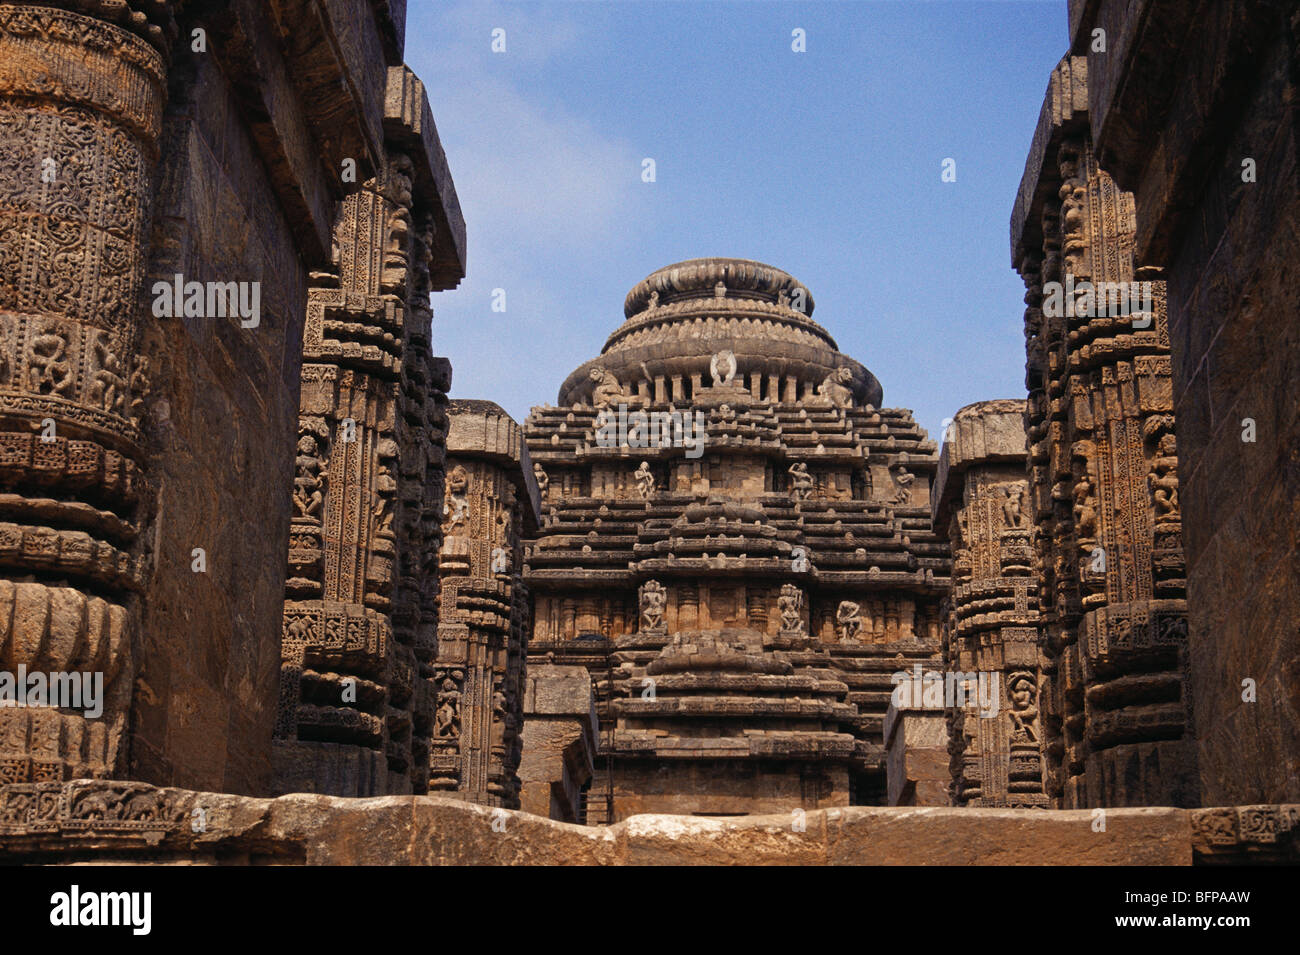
[[93, 807], [48, 53], [74, 552], [71, 270], [331, 626], [112, 429], [1263, 826], [1122, 629], [60, 629], [73, 464], [703, 275]]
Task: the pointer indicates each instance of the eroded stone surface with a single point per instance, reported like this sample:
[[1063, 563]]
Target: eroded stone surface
[[131, 821]]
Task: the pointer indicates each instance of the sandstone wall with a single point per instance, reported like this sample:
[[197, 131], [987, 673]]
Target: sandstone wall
[[1188, 95], [145, 528], [249, 178]]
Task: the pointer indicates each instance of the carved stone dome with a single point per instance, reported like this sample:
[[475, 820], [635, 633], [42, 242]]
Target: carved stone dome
[[682, 316]]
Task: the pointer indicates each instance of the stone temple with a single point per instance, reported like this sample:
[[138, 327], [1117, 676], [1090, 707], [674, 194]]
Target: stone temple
[[739, 602], [716, 605]]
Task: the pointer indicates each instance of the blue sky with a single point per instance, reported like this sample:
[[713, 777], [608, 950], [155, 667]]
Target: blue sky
[[825, 163]]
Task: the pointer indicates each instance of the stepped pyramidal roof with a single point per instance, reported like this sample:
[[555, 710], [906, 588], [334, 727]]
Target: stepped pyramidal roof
[[736, 541]]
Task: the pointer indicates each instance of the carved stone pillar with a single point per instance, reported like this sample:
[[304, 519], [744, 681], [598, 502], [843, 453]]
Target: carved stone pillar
[[483, 620], [358, 702], [1103, 478], [339, 659], [991, 637], [81, 101]]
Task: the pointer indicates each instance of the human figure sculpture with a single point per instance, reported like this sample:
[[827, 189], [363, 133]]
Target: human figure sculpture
[[385, 487], [848, 620], [457, 507], [903, 484], [446, 720], [108, 388], [139, 387], [307, 481], [1085, 514], [801, 482], [653, 600], [1164, 479], [1012, 508], [1024, 707], [645, 480], [48, 368], [790, 607]]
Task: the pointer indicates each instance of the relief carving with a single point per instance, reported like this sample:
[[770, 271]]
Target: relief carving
[[848, 621], [653, 599], [801, 482], [790, 607]]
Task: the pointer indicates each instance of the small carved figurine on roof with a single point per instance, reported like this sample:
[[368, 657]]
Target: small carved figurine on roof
[[834, 388]]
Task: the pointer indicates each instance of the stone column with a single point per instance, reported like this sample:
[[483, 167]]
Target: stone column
[[559, 743], [338, 649], [360, 623], [915, 761], [1103, 477], [483, 622], [81, 100], [990, 638]]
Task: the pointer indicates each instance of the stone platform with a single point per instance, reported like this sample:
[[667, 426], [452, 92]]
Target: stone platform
[[110, 822]]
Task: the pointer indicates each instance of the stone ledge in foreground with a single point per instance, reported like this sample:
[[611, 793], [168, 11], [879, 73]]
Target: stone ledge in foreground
[[104, 821]]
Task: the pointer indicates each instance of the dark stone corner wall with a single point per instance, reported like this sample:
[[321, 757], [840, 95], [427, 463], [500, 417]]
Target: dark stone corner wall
[[255, 132], [1191, 100]]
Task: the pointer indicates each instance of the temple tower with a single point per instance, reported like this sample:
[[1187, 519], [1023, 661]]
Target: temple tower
[[736, 542]]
